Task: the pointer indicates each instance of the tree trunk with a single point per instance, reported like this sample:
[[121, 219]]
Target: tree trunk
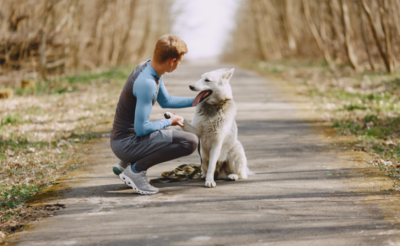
[[117, 33], [393, 25], [396, 19], [316, 35], [42, 58], [147, 29], [260, 32], [347, 35], [365, 37], [383, 13], [322, 26], [132, 7], [286, 25], [375, 34], [338, 40], [271, 37]]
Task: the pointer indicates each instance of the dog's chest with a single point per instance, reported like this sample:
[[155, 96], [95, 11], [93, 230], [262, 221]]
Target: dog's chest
[[215, 118]]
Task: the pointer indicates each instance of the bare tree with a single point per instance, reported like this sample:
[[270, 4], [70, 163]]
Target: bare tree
[[66, 35], [347, 35], [339, 31], [375, 34], [286, 12], [260, 28], [384, 16], [364, 36], [316, 35]]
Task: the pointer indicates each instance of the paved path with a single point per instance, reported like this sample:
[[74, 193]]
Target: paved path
[[303, 192]]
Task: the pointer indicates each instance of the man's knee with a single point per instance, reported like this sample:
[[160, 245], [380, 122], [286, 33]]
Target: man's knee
[[190, 143]]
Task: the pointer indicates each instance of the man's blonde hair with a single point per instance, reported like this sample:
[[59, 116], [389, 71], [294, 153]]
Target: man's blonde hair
[[169, 46]]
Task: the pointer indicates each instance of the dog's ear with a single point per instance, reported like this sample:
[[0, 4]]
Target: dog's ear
[[228, 74]]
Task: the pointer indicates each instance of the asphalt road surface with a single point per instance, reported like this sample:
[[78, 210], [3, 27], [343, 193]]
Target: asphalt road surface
[[304, 191]]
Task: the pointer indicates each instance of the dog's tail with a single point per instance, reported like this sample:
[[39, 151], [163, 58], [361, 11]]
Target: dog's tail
[[249, 172]]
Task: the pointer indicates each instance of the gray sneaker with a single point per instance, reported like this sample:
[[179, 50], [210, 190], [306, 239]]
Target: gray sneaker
[[138, 181], [120, 167]]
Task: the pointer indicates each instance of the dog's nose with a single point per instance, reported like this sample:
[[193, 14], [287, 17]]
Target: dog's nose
[[191, 87]]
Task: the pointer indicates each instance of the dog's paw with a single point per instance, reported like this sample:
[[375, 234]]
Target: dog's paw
[[233, 177], [210, 184], [167, 115]]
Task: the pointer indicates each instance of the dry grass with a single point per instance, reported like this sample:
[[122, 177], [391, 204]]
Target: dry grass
[[40, 134]]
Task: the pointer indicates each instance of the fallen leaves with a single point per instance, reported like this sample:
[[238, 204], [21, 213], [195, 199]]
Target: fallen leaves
[[13, 220], [31, 150], [390, 143], [9, 153], [378, 161], [2, 236]]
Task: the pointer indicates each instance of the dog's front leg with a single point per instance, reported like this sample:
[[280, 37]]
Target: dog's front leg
[[214, 154], [188, 127]]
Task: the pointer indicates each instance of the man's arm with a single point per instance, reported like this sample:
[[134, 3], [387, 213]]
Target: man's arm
[[144, 91], [167, 101]]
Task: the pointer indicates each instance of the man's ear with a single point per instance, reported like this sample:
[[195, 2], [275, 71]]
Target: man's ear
[[228, 74], [172, 61]]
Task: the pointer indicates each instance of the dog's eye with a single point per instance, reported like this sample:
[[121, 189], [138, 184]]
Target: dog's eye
[[207, 80]]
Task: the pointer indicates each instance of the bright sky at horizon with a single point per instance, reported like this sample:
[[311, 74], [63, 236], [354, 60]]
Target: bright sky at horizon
[[204, 25]]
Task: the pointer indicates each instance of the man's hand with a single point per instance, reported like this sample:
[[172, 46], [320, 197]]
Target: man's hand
[[175, 119]]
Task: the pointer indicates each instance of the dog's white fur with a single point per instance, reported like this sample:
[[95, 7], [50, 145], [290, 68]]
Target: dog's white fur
[[222, 155]]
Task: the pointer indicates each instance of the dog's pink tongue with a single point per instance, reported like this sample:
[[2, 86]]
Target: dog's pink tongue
[[199, 97]]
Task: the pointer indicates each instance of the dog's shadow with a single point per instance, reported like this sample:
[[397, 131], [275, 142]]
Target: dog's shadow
[[198, 183]]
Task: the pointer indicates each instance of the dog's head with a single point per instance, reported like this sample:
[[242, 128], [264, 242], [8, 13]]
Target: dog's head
[[213, 86]]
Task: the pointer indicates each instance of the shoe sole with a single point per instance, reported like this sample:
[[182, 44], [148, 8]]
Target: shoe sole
[[117, 172], [130, 183]]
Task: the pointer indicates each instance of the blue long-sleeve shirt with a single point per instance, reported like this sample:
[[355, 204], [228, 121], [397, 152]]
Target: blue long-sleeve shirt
[[144, 89]]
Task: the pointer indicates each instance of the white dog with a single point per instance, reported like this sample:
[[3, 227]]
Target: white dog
[[222, 155]]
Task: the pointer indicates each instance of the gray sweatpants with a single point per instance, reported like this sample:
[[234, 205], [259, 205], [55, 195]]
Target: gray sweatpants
[[154, 148]]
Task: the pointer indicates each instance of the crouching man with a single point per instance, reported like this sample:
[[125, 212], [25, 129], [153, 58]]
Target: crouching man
[[138, 142]]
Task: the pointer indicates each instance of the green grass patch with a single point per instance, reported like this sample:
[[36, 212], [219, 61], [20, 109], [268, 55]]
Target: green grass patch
[[371, 127], [10, 119], [70, 83], [113, 73], [17, 195], [353, 107]]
